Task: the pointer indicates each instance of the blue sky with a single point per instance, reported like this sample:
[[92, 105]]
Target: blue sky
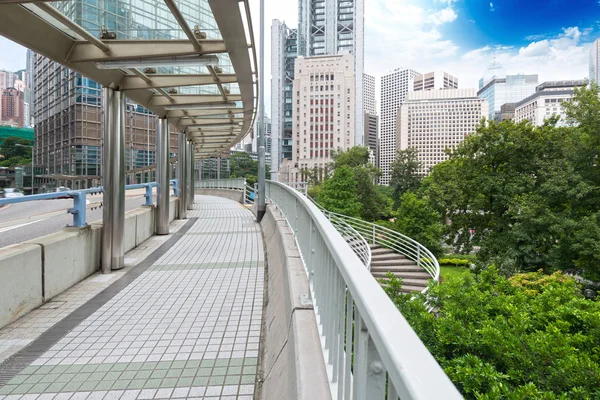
[[547, 37]]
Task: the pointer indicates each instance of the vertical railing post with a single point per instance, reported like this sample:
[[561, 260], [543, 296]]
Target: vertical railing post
[[79, 210], [374, 234], [148, 194], [376, 374], [419, 256]]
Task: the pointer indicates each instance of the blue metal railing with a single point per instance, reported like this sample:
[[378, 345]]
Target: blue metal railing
[[79, 209]]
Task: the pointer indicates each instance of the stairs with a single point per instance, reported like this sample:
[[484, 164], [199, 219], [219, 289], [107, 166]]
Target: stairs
[[414, 278]]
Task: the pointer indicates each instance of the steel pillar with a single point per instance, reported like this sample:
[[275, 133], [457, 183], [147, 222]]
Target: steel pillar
[[163, 170], [113, 175], [107, 209], [261, 118], [181, 175], [190, 175]]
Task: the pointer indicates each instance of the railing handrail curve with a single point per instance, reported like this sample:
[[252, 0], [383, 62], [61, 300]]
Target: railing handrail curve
[[411, 368], [425, 257]]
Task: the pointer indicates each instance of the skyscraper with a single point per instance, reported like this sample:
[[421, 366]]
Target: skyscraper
[[13, 108], [394, 88], [595, 62], [369, 94], [283, 57], [498, 88], [435, 80], [433, 120], [335, 27], [324, 96]]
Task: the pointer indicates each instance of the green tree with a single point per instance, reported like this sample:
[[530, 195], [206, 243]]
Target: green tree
[[339, 193], [404, 172], [14, 155], [241, 164], [417, 219], [532, 336]]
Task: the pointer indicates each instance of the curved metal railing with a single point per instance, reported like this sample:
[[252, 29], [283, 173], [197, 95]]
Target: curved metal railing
[[370, 350], [355, 240], [390, 239]]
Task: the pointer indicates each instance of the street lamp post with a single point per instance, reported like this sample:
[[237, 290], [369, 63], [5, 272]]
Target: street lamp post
[[32, 166]]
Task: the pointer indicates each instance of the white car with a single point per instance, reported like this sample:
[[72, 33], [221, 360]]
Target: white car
[[12, 192]]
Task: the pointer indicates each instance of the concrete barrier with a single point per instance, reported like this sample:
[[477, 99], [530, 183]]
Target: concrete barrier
[[34, 272], [20, 281], [231, 194], [70, 256], [292, 365]]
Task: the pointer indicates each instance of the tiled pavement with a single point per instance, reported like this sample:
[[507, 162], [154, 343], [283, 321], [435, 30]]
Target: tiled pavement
[[187, 327]]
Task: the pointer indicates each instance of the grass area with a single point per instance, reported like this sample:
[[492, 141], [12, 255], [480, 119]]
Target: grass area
[[447, 272]]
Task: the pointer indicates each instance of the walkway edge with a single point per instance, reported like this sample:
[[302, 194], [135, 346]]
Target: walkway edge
[[23, 358]]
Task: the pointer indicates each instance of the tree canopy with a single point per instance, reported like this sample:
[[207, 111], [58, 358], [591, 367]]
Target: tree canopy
[[14, 155], [404, 172]]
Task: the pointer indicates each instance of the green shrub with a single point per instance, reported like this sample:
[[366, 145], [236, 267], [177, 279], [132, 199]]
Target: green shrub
[[457, 262]]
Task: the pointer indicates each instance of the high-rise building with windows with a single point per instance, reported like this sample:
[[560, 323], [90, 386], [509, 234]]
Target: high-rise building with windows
[[369, 94], [595, 62], [324, 99], [547, 102], [435, 81], [67, 108], [335, 27], [394, 88], [371, 124], [498, 88], [434, 120], [284, 51], [13, 107]]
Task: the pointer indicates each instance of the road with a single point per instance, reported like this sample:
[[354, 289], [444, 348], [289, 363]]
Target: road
[[25, 221]]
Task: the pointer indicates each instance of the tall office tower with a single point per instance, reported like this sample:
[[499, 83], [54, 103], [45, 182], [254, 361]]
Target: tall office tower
[[254, 136], [335, 27], [30, 64], [595, 62], [547, 101], [13, 107], [324, 99], [498, 88], [369, 94], [435, 80], [284, 50], [434, 120], [394, 88], [7, 79], [68, 110]]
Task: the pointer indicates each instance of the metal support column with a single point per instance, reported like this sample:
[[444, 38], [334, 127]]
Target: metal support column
[[113, 176], [181, 175], [190, 174], [118, 181], [107, 208], [163, 170], [261, 118], [219, 167]]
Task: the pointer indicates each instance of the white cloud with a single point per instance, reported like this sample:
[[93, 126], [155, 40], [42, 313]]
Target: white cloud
[[492, 9], [443, 16]]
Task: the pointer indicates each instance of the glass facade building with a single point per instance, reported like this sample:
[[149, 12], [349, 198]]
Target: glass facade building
[[67, 108], [498, 89]]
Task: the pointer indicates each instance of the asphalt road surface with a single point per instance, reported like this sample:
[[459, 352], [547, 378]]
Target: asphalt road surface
[[25, 221]]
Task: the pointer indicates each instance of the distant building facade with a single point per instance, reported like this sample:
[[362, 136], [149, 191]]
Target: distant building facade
[[435, 81], [595, 62], [547, 101], [507, 112], [435, 120], [284, 51], [498, 88], [323, 99], [394, 88], [13, 107]]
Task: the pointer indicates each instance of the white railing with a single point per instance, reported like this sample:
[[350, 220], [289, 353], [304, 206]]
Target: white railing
[[233, 183], [302, 187], [249, 195], [399, 243], [368, 347]]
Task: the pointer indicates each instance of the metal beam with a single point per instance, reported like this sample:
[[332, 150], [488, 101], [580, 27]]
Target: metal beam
[[26, 1], [141, 49], [183, 24], [202, 113], [191, 99], [164, 81], [92, 41], [207, 121]]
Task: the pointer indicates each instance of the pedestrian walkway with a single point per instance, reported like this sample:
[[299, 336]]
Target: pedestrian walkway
[[183, 323]]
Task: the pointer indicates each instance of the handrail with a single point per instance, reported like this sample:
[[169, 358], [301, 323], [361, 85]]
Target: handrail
[[302, 187], [353, 312], [232, 183], [388, 238], [79, 198]]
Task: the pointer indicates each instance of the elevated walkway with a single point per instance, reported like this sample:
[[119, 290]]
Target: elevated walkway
[[182, 320]]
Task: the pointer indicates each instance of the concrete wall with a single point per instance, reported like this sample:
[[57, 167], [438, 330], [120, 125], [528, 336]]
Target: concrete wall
[[20, 282], [34, 272], [292, 364], [235, 195]]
